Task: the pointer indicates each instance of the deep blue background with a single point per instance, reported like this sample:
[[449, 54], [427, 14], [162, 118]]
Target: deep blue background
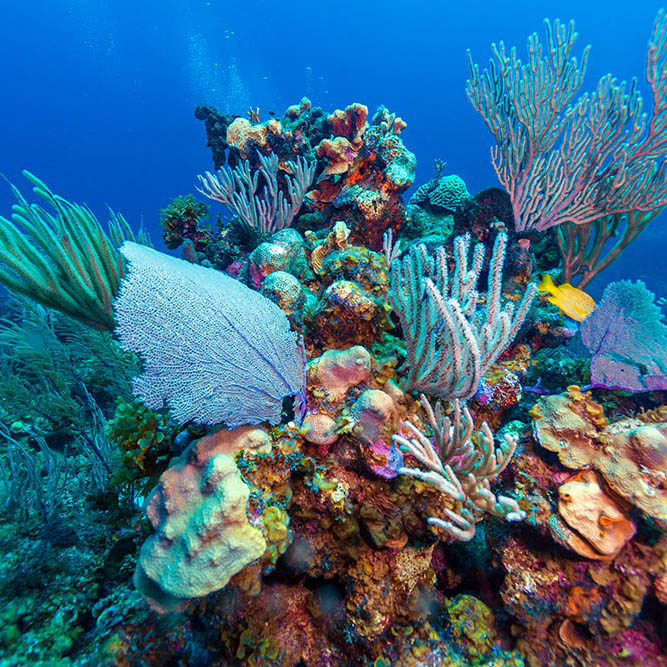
[[98, 95]]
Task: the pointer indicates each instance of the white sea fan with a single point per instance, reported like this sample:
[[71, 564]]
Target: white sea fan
[[213, 349]]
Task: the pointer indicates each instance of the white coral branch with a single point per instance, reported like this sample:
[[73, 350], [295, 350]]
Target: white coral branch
[[461, 466]]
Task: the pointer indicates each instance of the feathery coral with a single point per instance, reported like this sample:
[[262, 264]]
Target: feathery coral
[[236, 189], [64, 259]]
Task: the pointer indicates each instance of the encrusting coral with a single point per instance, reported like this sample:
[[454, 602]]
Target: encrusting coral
[[595, 525], [631, 454]]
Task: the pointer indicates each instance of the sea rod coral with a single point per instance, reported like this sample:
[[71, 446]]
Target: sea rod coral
[[578, 162], [460, 467], [451, 343], [236, 188]]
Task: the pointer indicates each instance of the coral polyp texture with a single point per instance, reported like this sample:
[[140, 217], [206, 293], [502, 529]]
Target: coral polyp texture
[[198, 511], [358, 436], [631, 453]]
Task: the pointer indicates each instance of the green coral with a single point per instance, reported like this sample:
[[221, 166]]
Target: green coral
[[255, 650], [428, 226], [471, 625], [180, 220], [45, 357], [277, 533], [555, 368], [144, 438], [62, 259]]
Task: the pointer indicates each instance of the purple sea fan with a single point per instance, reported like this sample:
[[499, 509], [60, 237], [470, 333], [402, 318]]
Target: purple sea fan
[[213, 349], [627, 339]]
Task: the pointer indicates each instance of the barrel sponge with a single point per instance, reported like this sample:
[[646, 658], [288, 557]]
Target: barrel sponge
[[198, 510]]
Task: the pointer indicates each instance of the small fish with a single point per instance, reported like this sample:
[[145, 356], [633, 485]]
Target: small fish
[[575, 303]]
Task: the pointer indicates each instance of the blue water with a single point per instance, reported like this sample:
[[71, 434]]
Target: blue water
[[98, 95], [98, 100]]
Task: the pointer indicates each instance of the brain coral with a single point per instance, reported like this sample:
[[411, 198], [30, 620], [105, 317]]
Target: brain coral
[[449, 193]]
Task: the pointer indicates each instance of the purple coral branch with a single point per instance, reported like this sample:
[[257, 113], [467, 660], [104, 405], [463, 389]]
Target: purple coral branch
[[573, 163]]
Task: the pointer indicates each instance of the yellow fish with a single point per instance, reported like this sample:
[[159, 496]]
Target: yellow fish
[[575, 303]]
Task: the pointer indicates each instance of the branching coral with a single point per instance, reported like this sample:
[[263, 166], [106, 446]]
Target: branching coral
[[578, 162], [45, 357], [236, 189], [450, 342], [32, 481], [462, 466], [587, 250], [36, 370]]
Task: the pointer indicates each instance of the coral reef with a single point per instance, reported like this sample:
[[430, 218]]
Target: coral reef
[[362, 167], [631, 454], [181, 221], [277, 492], [198, 510]]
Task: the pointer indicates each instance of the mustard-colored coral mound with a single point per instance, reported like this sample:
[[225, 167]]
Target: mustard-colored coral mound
[[198, 510]]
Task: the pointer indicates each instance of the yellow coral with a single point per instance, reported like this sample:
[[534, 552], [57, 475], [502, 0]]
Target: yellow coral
[[535, 412]]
